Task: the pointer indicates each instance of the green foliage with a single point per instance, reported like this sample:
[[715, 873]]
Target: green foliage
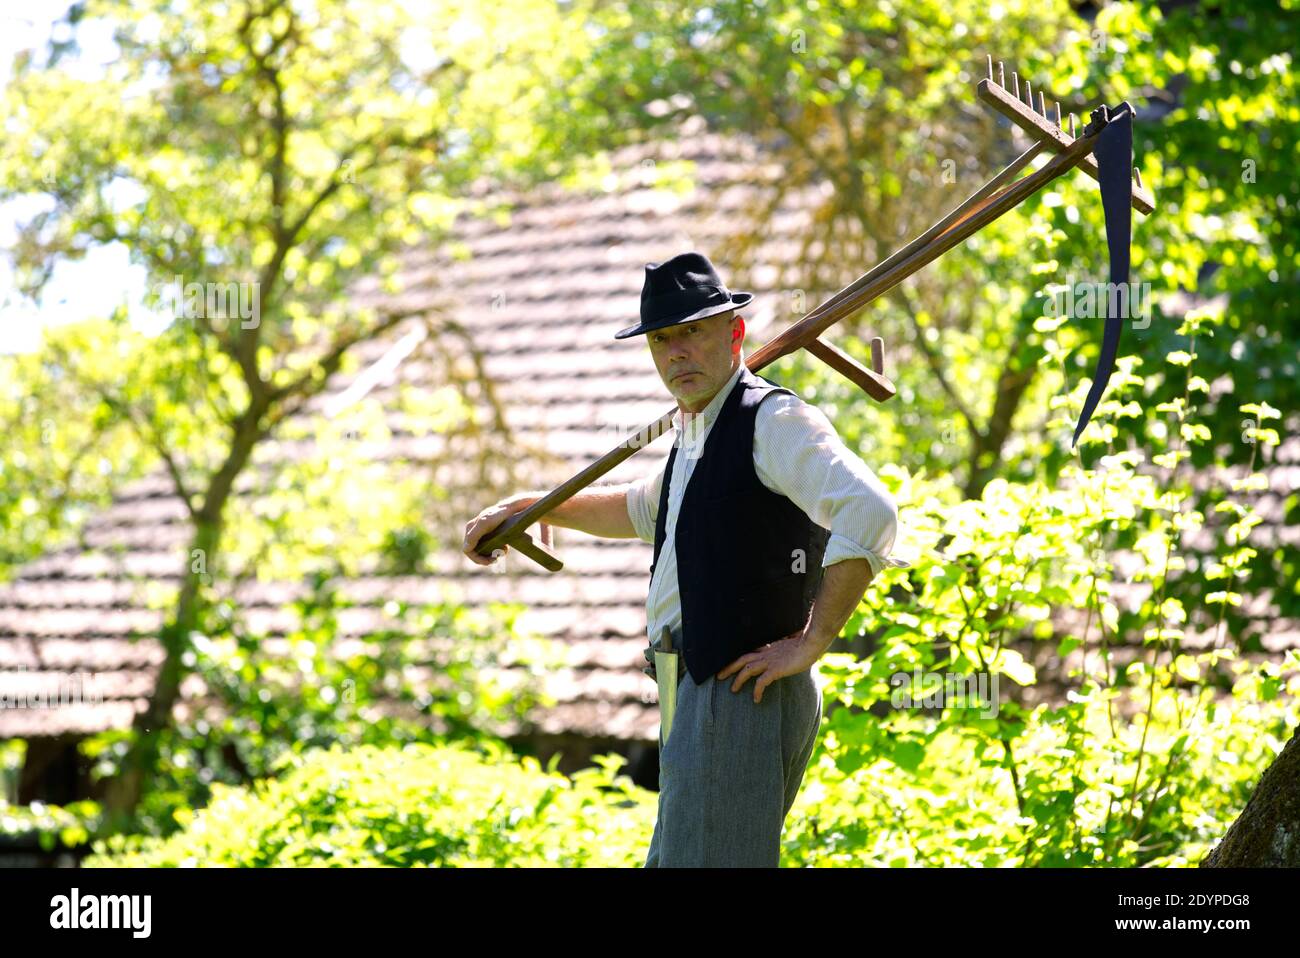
[[417, 805], [1048, 786], [285, 152], [1146, 762], [54, 826], [405, 549], [69, 827], [433, 674], [62, 443]]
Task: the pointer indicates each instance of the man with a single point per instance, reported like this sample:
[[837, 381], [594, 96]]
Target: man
[[758, 497]]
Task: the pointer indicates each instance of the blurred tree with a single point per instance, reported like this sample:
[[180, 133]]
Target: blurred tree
[[257, 158]]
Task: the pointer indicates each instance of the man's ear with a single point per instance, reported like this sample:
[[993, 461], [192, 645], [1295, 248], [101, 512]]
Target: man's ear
[[737, 332]]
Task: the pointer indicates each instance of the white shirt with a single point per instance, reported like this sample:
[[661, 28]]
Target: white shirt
[[798, 454]]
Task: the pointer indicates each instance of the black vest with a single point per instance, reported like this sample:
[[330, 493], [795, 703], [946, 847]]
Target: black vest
[[749, 561]]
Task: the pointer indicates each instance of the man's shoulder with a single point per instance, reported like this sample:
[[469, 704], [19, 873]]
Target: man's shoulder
[[763, 389], [783, 401], [784, 420], [778, 404]]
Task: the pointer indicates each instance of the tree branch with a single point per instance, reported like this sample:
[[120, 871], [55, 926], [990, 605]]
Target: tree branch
[[152, 438], [292, 396]]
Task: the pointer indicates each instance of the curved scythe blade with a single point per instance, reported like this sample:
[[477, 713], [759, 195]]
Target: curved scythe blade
[[1114, 154]]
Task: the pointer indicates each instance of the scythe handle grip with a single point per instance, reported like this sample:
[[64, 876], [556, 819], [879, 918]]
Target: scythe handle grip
[[511, 533]]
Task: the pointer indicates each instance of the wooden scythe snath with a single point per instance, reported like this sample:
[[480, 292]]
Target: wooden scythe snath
[[1103, 150]]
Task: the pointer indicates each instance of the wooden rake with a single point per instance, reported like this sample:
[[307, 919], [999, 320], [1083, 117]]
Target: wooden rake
[[997, 196]]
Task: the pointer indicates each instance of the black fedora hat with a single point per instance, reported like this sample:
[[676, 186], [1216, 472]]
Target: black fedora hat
[[682, 290]]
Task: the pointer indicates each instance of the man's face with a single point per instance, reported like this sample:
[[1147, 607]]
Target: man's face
[[696, 359]]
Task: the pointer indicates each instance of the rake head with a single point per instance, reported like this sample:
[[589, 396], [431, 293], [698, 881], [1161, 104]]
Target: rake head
[[1017, 105]]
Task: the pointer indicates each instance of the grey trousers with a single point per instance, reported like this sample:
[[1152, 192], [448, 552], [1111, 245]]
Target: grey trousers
[[730, 771]]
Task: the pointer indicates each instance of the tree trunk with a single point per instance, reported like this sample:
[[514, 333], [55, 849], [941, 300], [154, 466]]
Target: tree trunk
[[123, 793], [986, 447], [1267, 833]]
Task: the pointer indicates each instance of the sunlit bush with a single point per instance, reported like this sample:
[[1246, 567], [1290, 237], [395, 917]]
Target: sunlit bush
[[419, 805]]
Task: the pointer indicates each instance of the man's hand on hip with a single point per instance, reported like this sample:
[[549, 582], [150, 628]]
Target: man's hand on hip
[[842, 588], [788, 656]]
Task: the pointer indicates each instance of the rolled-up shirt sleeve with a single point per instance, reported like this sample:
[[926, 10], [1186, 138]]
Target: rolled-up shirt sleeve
[[798, 453], [643, 504]]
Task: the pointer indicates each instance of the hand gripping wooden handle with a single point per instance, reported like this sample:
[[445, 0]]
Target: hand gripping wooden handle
[[539, 552]]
